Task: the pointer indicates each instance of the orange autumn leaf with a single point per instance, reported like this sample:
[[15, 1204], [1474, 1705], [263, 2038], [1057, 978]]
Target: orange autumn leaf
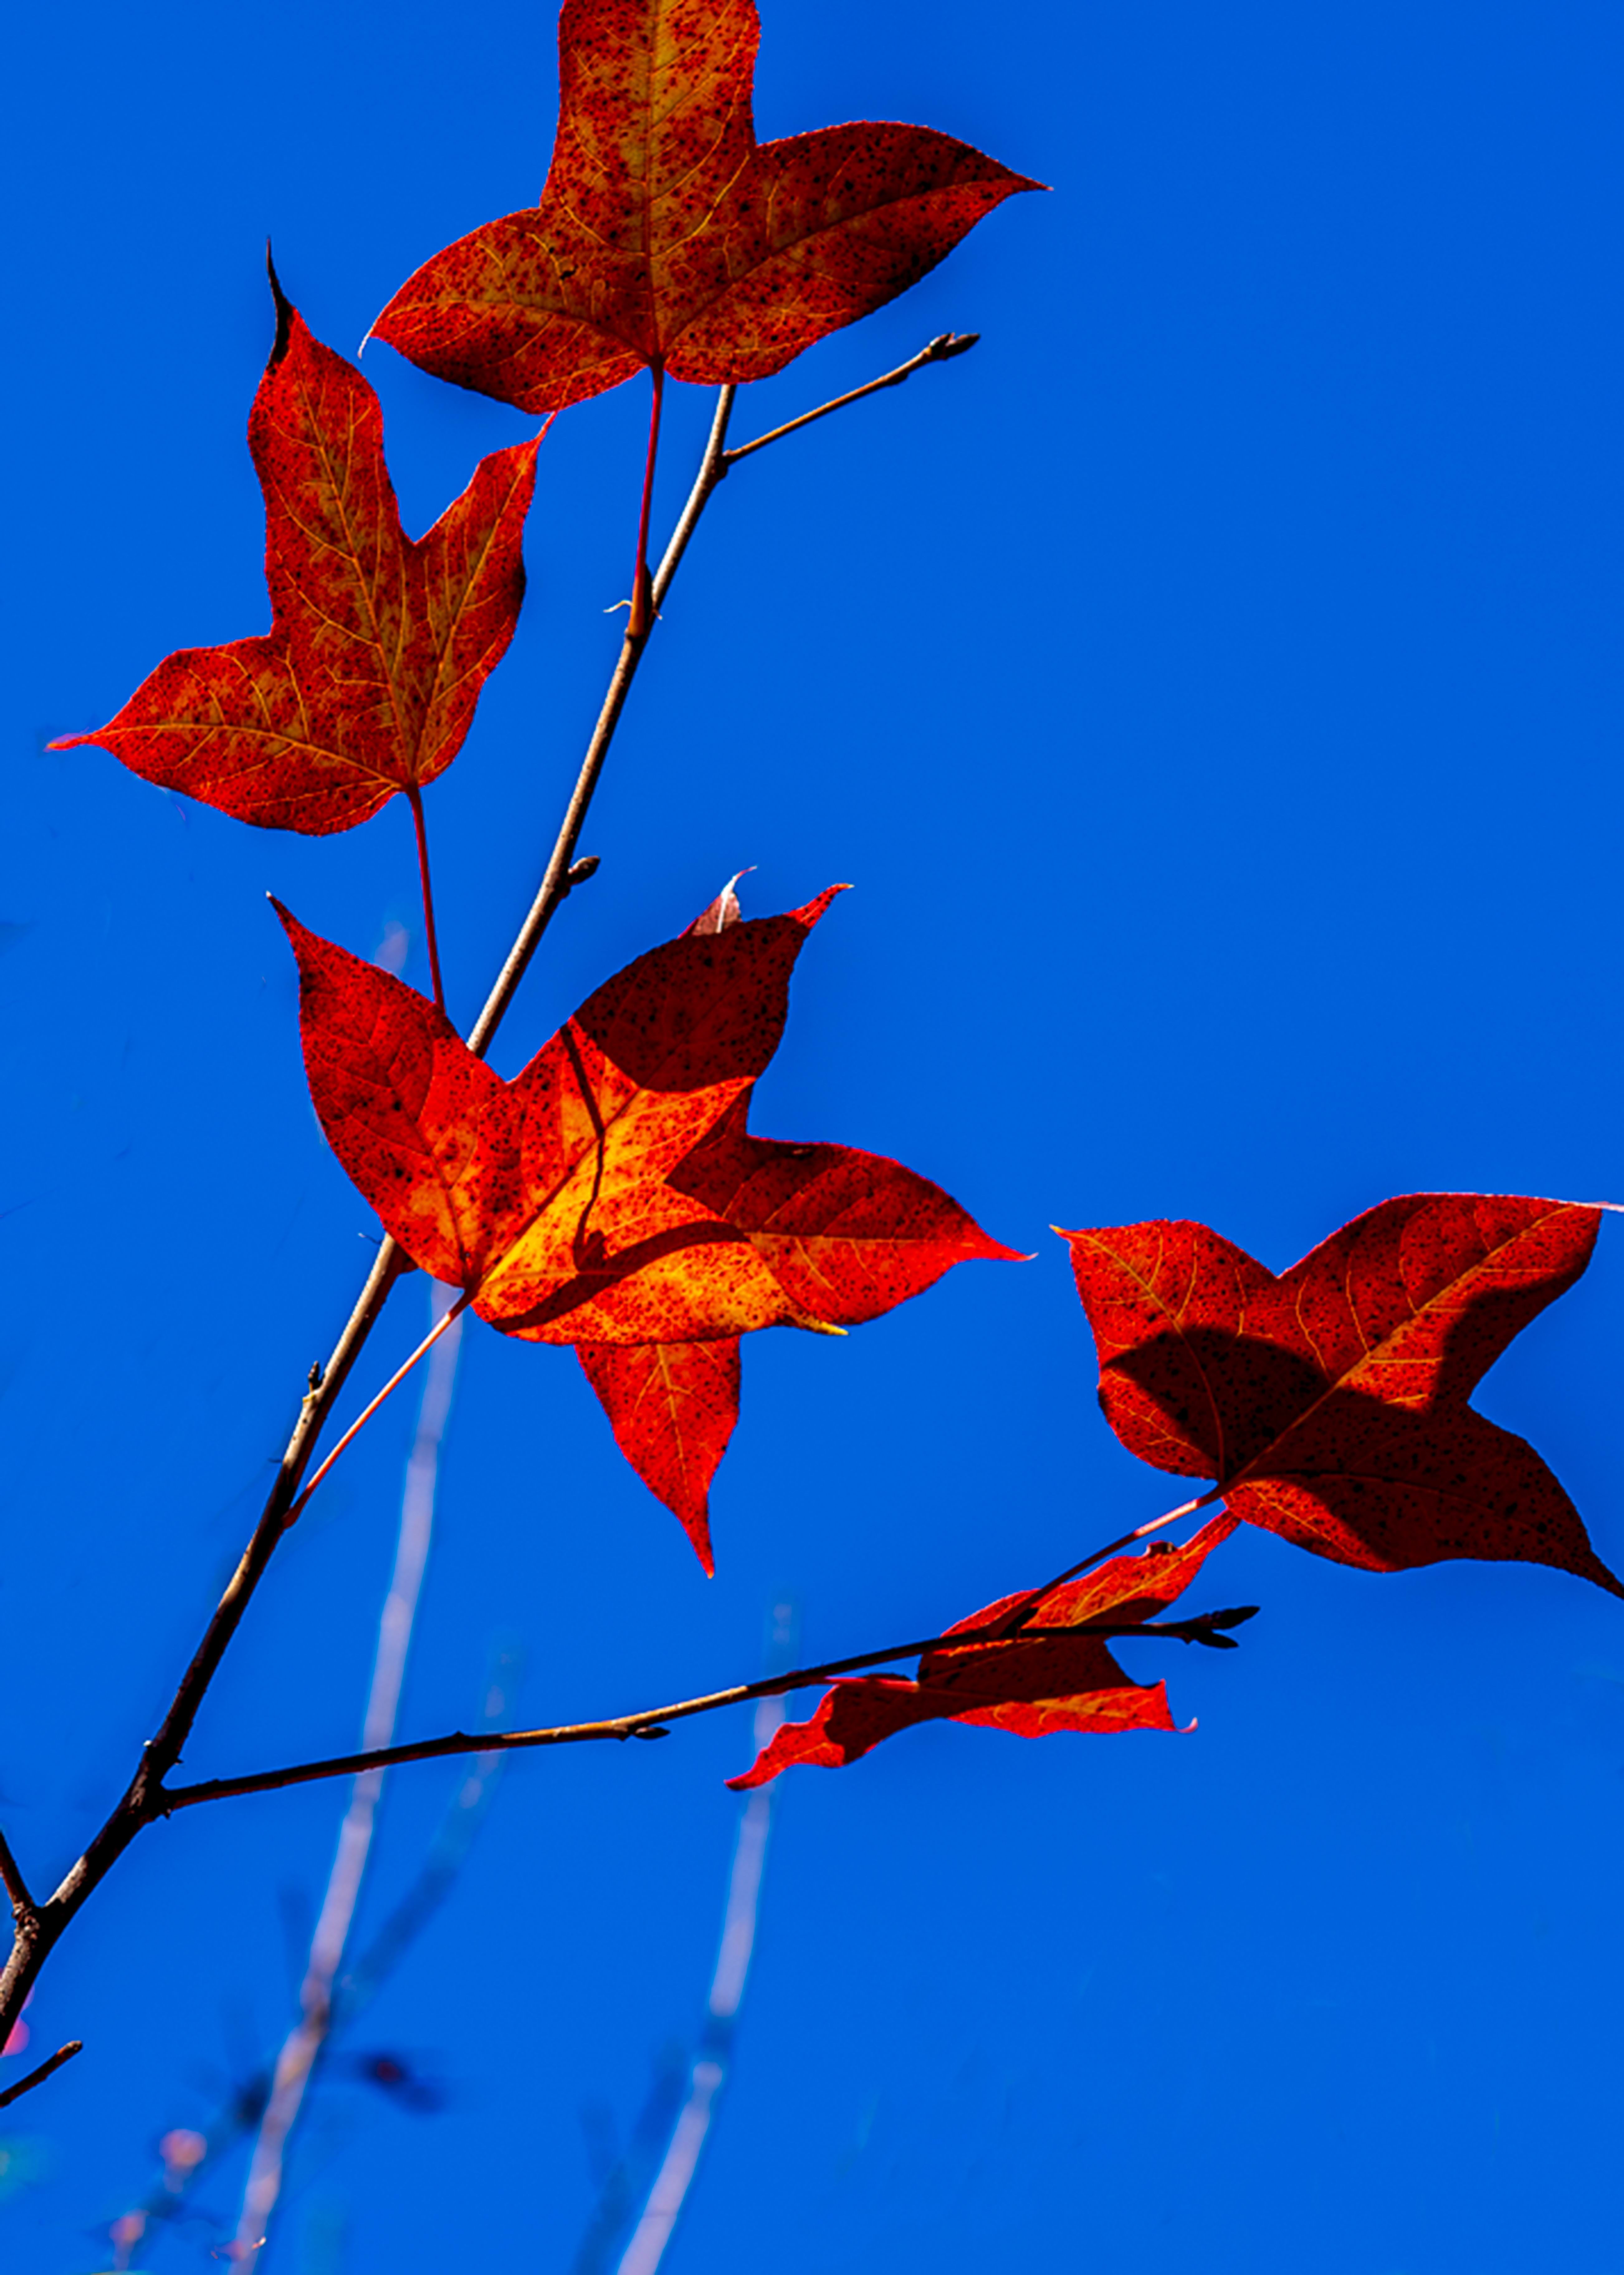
[[610, 1196], [380, 644], [1330, 1404], [1033, 1686], [667, 236]]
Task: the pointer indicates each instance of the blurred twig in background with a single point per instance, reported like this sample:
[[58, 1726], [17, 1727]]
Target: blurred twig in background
[[681, 2104], [302, 2044]]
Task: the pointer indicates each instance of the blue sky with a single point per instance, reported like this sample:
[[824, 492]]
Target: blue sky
[[1211, 685]]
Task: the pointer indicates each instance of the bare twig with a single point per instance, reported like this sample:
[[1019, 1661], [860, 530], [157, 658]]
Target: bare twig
[[12, 1881], [38, 2077], [141, 1800], [943, 349], [652, 1721]]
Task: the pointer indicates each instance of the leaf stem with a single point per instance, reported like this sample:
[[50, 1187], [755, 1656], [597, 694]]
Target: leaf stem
[[414, 798], [38, 2077], [368, 1411], [639, 623], [1015, 1621]]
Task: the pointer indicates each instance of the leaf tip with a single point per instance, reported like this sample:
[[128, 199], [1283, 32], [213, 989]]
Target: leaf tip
[[290, 924], [285, 312]]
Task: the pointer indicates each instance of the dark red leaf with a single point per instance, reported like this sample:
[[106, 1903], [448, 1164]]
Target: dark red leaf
[[1330, 1404]]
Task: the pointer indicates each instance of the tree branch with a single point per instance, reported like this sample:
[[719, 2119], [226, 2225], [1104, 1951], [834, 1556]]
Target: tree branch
[[38, 2077], [651, 1723], [943, 349], [142, 1799]]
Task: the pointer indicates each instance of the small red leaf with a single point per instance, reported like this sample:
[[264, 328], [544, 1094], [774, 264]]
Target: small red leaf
[[1331, 1403], [1033, 1687], [367, 682], [667, 236]]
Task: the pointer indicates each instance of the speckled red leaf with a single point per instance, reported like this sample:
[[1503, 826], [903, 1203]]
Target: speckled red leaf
[[609, 1196], [1331, 1403], [666, 235], [1034, 1687], [367, 682]]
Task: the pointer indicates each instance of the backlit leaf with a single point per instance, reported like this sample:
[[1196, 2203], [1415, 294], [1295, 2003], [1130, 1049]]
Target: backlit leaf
[[609, 1196], [367, 682], [1330, 1404], [667, 236]]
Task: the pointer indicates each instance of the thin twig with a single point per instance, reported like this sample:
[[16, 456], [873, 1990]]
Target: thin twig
[[38, 2077], [943, 349], [12, 1880], [651, 1720]]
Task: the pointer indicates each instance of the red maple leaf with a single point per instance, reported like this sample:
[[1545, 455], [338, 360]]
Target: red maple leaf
[[367, 682], [667, 235], [1033, 1685], [1331, 1403], [609, 1196]]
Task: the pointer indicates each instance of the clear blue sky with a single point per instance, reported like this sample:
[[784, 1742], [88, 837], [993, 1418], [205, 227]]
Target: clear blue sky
[[1212, 687]]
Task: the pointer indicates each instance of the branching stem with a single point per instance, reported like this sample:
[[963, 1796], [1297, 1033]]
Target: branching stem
[[42, 1926]]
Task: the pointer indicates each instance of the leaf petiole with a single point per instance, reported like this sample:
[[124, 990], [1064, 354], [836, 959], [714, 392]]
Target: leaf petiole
[[414, 798], [368, 1411], [640, 623]]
